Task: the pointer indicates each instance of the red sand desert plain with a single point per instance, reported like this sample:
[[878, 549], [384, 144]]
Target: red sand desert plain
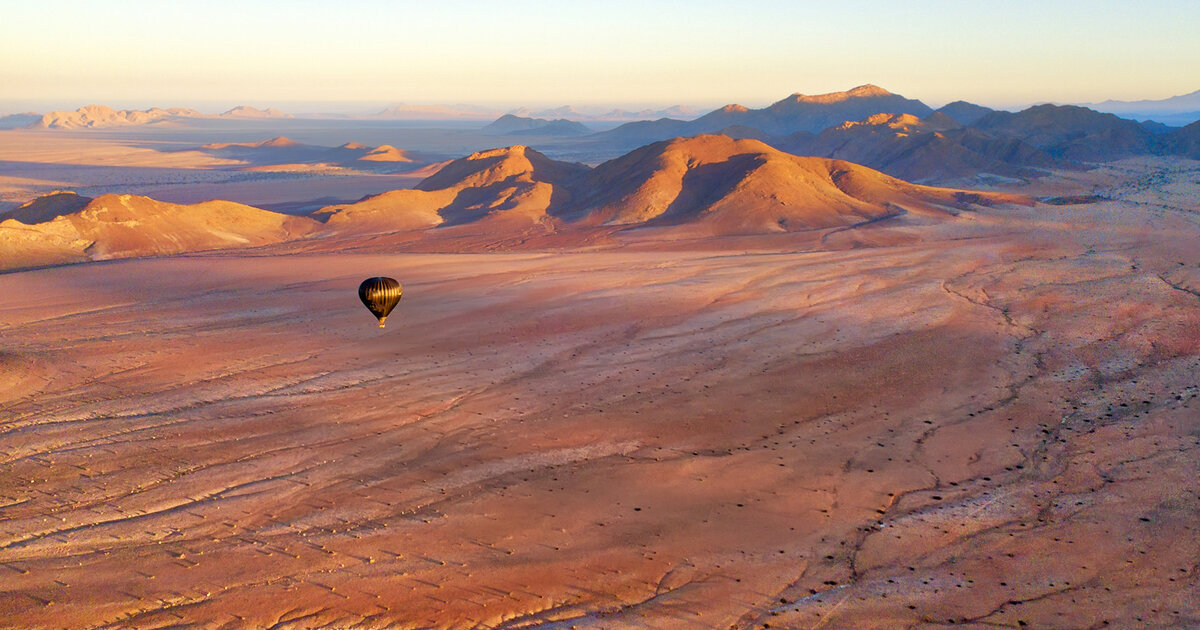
[[986, 420]]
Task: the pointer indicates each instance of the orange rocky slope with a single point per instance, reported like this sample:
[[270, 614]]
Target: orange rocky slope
[[746, 187], [713, 185], [511, 183], [124, 226], [728, 186]]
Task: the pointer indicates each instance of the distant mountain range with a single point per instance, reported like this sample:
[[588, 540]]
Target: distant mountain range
[[902, 137], [103, 116], [707, 185], [510, 124], [93, 116], [795, 113], [1176, 110], [1024, 144]]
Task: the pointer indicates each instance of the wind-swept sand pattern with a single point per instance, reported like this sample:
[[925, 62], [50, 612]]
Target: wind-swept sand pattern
[[991, 423]]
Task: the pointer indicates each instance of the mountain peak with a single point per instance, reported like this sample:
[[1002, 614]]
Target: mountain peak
[[862, 91], [868, 90], [279, 141], [96, 109], [964, 113], [516, 150], [482, 168], [386, 153]]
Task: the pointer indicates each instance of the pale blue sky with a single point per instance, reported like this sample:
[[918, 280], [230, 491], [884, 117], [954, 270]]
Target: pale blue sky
[[531, 52]]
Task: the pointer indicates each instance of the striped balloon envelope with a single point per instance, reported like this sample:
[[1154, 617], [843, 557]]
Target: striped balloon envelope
[[380, 296]]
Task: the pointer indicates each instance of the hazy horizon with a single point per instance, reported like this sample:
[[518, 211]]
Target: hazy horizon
[[372, 54], [319, 107], [362, 108]]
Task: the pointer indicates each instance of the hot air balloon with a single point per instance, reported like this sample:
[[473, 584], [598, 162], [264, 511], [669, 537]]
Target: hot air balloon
[[380, 296]]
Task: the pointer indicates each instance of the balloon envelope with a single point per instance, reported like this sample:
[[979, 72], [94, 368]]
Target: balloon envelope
[[380, 296]]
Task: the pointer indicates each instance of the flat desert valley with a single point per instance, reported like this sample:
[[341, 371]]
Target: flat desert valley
[[987, 420]]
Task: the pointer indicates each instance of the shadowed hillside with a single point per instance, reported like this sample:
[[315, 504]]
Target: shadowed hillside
[[48, 207], [933, 149], [1186, 141], [1072, 133]]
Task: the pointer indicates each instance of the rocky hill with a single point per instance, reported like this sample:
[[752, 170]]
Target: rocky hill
[[122, 226]]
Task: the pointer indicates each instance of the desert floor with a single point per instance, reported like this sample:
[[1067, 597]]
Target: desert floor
[[988, 423]]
